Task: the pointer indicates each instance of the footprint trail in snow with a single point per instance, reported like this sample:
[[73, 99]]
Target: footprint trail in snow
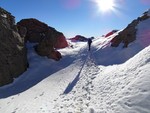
[[78, 100]]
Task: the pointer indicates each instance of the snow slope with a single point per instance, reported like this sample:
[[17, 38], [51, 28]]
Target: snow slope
[[119, 55], [116, 89], [104, 80]]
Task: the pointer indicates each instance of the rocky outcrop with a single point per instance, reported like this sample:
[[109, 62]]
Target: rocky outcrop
[[48, 38], [110, 33], [36, 30], [13, 54], [79, 38], [61, 41], [128, 35], [46, 48]]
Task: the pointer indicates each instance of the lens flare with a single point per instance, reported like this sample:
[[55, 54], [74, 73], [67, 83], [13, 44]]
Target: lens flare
[[146, 2], [105, 5], [72, 4]]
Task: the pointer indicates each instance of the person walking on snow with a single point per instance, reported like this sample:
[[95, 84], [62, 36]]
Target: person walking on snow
[[89, 43]]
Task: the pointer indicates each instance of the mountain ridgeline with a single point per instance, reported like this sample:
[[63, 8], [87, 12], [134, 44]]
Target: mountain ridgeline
[[14, 36]]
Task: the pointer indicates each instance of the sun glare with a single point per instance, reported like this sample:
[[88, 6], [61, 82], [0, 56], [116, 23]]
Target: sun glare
[[105, 5]]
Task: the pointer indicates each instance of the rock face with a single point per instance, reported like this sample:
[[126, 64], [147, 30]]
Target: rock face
[[79, 38], [128, 35], [48, 38], [13, 55], [36, 30], [110, 33]]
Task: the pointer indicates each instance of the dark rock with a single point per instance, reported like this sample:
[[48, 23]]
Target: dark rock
[[128, 35], [144, 17], [55, 55], [22, 31], [47, 37], [79, 38], [116, 41], [44, 48], [36, 30], [13, 54]]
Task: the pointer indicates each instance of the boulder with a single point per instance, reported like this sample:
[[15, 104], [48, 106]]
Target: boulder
[[36, 30], [13, 54], [48, 38], [55, 55], [46, 48], [61, 41]]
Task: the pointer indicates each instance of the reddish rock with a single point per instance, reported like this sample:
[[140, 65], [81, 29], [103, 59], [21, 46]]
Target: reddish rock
[[61, 42], [111, 33], [55, 55], [78, 38], [35, 29], [128, 35], [47, 37]]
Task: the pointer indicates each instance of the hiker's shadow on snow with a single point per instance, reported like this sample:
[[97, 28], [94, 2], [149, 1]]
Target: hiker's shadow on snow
[[39, 69], [76, 79], [72, 84]]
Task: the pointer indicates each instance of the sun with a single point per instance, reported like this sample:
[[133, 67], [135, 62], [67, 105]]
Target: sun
[[105, 5]]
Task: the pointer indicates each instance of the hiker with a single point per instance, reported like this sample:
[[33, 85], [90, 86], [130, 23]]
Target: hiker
[[89, 43]]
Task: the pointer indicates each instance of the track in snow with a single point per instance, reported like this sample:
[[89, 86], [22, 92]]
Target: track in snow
[[77, 95]]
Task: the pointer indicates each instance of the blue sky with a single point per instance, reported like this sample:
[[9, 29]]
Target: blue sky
[[77, 17]]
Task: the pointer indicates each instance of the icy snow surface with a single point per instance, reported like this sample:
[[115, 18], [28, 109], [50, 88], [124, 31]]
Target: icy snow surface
[[104, 80]]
